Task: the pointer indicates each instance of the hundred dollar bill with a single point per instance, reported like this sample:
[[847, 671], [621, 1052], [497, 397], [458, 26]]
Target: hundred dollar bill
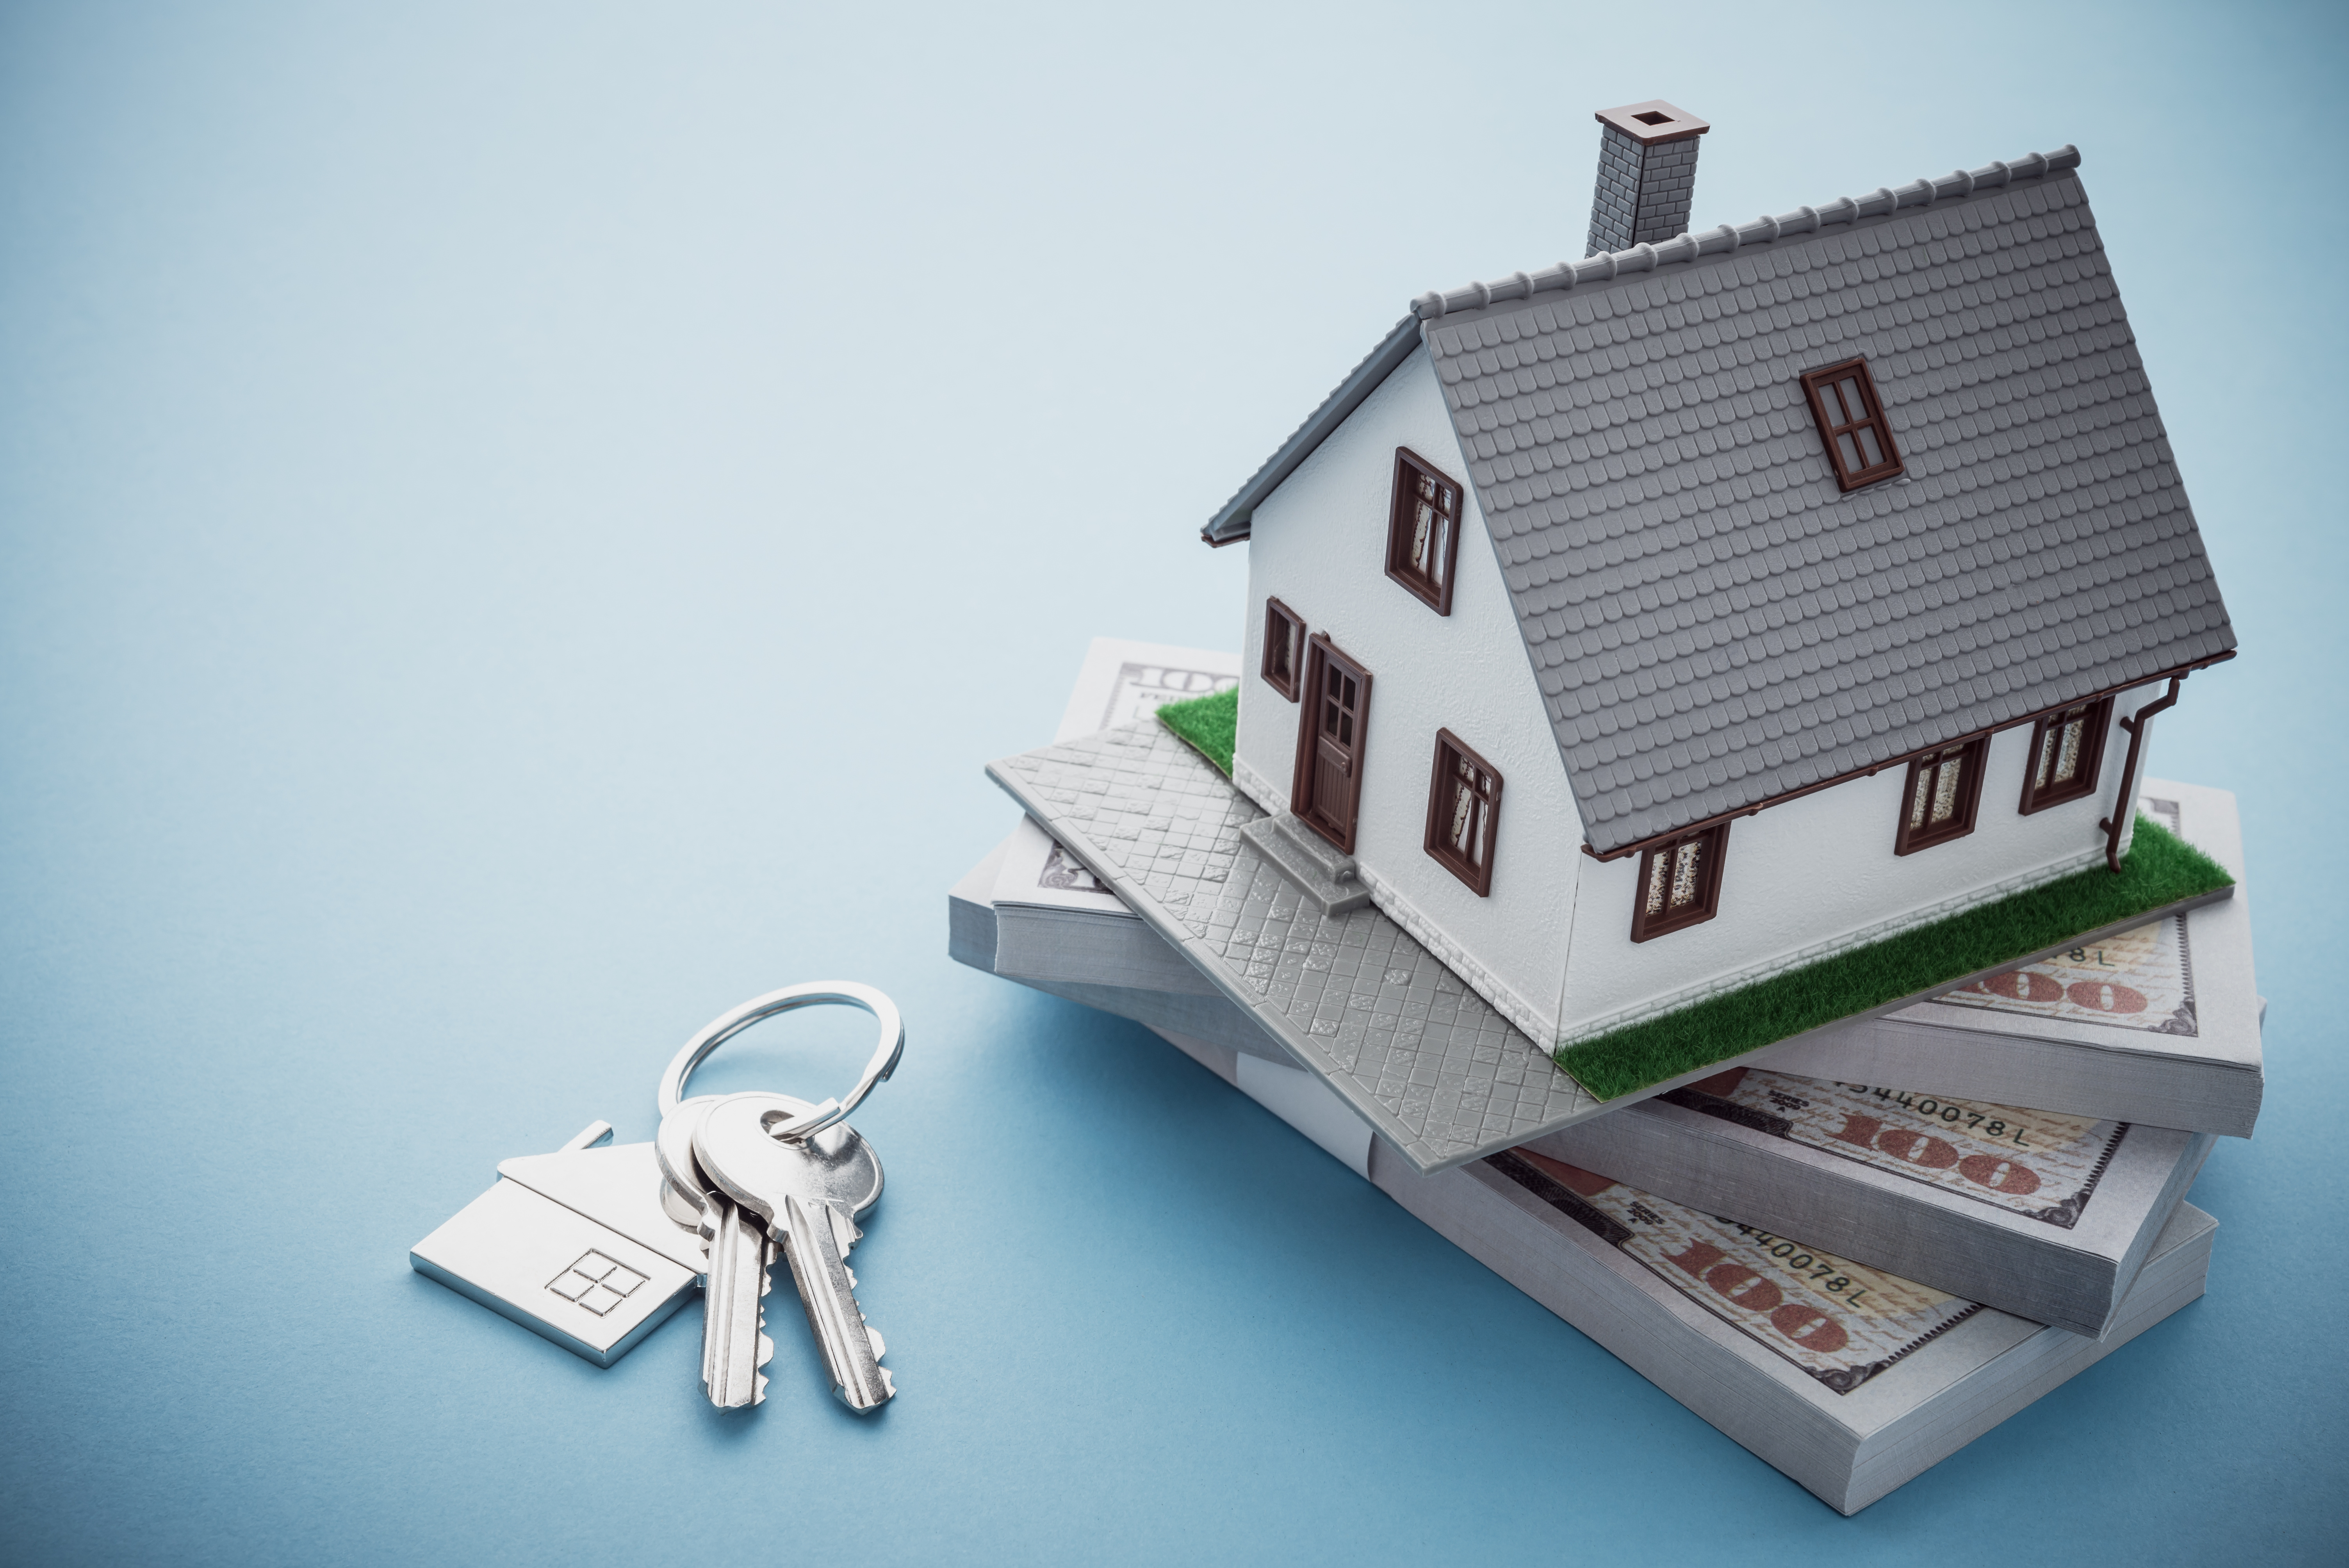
[[1840, 1320], [2158, 1025], [2042, 1164], [1122, 681], [1909, 1385], [2046, 1215], [1119, 683], [2142, 979]]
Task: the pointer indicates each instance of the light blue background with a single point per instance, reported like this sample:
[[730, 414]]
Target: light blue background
[[519, 527]]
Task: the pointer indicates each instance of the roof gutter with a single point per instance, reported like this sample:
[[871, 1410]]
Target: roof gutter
[[2135, 726], [1231, 525]]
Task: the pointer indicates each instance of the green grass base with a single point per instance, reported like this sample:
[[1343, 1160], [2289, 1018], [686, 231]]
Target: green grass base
[[2160, 869], [1209, 725]]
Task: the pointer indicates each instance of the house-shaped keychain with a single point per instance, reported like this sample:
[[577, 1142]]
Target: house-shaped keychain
[[1687, 647]]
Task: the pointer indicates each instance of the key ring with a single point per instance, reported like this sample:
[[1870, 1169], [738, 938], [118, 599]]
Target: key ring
[[812, 993]]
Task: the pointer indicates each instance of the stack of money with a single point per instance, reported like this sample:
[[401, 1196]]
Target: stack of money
[[1853, 1256]]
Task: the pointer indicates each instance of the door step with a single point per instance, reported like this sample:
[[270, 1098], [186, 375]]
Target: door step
[[1320, 870]]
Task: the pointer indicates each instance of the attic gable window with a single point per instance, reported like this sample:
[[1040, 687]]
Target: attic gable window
[[1680, 883], [1464, 812], [1851, 422], [1423, 530], [1284, 647], [2067, 749], [1943, 788]]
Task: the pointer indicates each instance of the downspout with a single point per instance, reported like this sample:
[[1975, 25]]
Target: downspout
[[2134, 725]]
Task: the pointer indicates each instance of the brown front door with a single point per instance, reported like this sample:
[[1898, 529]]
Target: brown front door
[[1328, 788]]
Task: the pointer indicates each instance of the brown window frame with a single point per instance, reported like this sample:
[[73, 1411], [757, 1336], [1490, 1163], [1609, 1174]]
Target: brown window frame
[[1647, 927], [1471, 868], [2097, 721], [1826, 411], [1284, 629], [1434, 592], [1971, 755]]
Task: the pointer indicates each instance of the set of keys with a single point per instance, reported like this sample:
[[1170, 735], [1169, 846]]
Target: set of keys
[[730, 1184]]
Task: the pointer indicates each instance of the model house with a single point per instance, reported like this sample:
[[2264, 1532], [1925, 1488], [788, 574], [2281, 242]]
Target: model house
[[1638, 628]]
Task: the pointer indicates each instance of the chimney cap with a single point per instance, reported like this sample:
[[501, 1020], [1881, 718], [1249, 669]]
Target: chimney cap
[[1653, 122]]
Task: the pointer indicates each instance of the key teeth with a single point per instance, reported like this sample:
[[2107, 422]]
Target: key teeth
[[874, 1334], [766, 1354]]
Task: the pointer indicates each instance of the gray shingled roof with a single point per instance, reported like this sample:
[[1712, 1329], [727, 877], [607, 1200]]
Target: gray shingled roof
[[1712, 622]]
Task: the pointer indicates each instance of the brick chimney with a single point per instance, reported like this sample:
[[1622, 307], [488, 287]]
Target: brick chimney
[[1646, 173]]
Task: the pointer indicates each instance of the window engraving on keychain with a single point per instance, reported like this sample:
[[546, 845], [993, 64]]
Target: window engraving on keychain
[[596, 1283]]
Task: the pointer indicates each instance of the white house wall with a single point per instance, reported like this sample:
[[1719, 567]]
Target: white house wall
[[1319, 545], [1809, 878]]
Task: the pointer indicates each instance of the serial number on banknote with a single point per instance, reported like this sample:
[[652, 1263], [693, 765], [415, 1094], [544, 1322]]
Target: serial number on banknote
[[1980, 1123], [2042, 1163], [1796, 1259]]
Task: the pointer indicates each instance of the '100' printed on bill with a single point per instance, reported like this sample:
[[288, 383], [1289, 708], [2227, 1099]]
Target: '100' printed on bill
[[1840, 1322]]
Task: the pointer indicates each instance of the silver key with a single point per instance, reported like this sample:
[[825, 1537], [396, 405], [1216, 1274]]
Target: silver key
[[734, 1344], [810, 1191]]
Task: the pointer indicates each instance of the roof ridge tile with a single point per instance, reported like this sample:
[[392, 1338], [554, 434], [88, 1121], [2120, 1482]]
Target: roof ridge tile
[[1884, 201]]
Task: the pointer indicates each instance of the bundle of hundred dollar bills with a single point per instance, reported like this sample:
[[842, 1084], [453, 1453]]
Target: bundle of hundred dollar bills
[[1853, 1256]]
